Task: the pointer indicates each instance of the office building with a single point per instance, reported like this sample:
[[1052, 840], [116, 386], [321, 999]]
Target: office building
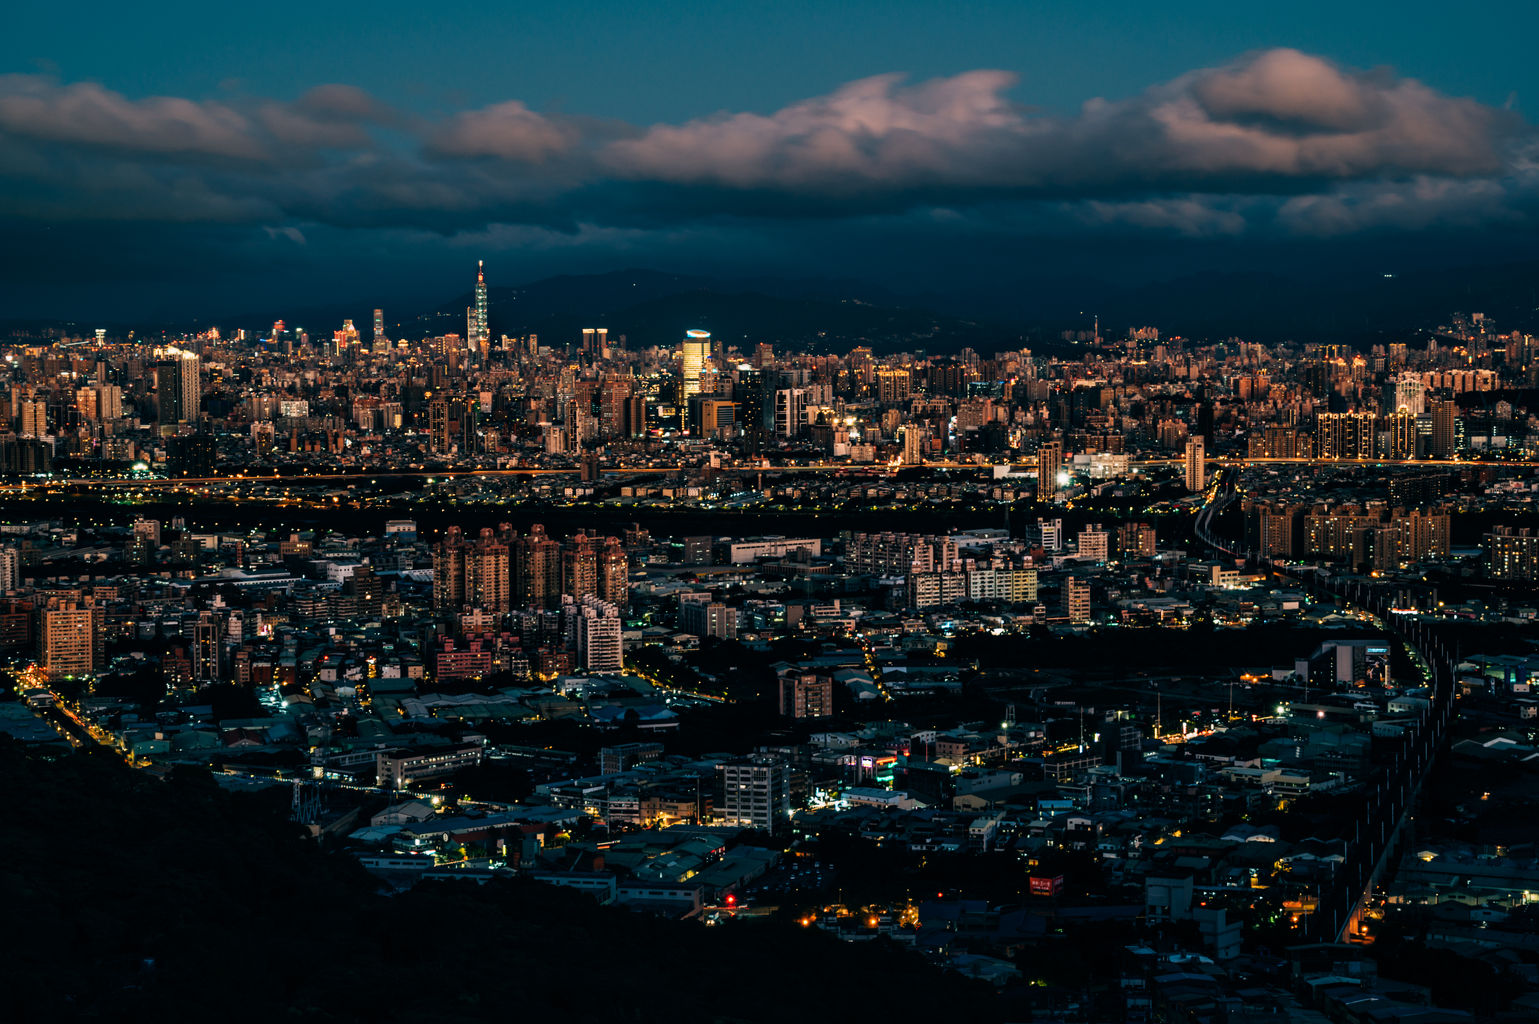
[[404, 769], [756, 792], [696, 353], [703, 617]]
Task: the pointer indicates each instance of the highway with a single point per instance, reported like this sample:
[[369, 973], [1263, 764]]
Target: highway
[[1390, 794], [860, 469]]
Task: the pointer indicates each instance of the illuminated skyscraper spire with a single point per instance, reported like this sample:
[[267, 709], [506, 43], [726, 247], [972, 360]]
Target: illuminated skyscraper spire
[[476, 330], [481, 328]]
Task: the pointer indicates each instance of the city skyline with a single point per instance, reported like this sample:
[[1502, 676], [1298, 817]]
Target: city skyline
[[987, 512]]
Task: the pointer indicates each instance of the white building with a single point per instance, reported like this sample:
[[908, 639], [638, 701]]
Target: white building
[[600, 646], [756, 792]]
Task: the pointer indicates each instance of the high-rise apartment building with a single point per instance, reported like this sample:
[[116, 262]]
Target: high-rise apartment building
[[70, 637], [595, 342], [579, 565], [614, 573], [205, 648], [1076, 600], [600, 644], [1196, 465], [893, 385], [109, 402], [34, 418], [1408, 393], [178, 385], [914, 438], [10, 569], [1512, 554], [1445, 424], [477, 574], [537, 571], [790, 411], [806, 694], [1345, 435], [1049, 469], [1094, 544]]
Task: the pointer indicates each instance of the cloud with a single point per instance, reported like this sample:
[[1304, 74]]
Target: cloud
[[35, 107], [876, 130], [1273, 143], [1276, 120], [508, 131]]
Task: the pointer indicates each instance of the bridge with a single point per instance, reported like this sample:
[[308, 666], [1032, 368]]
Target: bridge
[[1390, 793]]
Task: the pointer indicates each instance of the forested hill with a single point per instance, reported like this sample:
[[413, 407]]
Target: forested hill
[[131, 898]]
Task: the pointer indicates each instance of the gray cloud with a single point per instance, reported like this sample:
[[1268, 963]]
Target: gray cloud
[[1269, 117], [509, 131], [84, 113], [1276, 142]]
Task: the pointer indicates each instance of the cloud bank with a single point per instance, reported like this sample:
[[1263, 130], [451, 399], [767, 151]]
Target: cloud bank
[[1276, 144]]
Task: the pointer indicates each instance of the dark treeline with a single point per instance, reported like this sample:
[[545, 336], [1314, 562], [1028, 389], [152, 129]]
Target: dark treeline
[[131, 898]]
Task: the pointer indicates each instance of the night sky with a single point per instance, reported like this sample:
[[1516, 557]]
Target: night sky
[[179, 159]]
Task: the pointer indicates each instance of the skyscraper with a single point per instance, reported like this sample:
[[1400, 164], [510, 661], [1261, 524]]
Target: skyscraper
[[477, 330], [1445, 424], [595, 342], [381, 343], [696, 352], [34, 417], [1196, 465], [178, 385], [1049, 466], [914, 438]]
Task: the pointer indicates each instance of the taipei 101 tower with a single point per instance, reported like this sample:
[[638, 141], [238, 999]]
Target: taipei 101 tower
[[477, 335]]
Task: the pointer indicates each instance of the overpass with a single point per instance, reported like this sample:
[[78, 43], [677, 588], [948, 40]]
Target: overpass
[[1390, 793]]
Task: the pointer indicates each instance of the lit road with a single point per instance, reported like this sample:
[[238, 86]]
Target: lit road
[[355, 476], [1388, 795]]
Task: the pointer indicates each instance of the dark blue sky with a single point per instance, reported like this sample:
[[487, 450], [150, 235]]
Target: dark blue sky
[[208, 158], [672, 61]]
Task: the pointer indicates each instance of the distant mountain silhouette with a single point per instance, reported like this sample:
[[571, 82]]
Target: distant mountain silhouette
[[652, 308], [1359, 306]]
